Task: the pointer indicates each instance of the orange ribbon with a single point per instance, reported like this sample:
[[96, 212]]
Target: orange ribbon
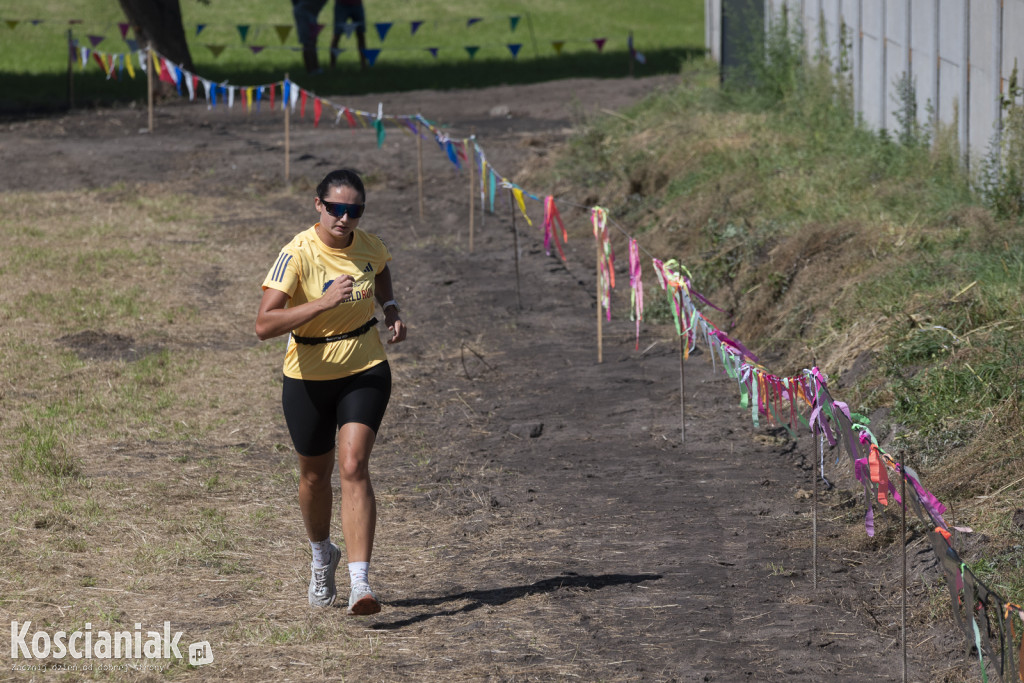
[[878, 473]]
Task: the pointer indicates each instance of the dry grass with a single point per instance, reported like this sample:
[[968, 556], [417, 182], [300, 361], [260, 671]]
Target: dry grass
[[148, 478]]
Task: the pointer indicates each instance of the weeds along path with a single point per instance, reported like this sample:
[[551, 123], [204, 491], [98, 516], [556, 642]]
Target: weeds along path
[[539, 519]]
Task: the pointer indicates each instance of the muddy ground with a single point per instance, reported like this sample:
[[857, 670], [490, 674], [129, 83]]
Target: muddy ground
[[540, 518]]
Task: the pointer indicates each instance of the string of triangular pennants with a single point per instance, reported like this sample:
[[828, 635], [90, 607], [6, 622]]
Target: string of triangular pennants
[[284, 31], [371, 54], [785, 401]]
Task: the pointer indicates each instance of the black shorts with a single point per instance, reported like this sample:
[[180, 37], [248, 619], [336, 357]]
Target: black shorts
[[315, 409]]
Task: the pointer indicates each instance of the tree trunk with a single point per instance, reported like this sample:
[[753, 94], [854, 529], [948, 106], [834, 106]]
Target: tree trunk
[[159, 22]]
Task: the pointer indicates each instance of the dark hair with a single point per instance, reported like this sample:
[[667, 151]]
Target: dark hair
[[344, 177]]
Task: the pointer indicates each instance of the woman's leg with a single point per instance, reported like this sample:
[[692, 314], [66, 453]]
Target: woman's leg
[[315, 494], [358, 504]]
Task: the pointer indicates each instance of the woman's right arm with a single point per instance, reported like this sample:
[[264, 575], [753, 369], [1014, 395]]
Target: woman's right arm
[[275, 317]]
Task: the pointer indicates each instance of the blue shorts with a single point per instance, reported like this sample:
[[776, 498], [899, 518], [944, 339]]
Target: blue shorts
[[315, 409], [343, 13]]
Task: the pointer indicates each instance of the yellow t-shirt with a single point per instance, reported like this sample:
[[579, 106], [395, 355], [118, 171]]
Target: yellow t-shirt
[[303, 270]]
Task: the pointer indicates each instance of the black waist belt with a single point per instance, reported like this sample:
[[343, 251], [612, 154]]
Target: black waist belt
[[358, 332]]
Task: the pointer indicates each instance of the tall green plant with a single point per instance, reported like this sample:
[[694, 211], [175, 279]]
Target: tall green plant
[[1001, 179]]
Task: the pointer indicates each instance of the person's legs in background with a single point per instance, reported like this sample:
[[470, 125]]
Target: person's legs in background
[[344, 12], [306, 13]]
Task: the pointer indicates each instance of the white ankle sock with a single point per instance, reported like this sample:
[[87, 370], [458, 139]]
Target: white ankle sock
[[358, 572], [321, 552]]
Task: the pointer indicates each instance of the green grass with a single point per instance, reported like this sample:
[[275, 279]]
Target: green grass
[[34, 66]]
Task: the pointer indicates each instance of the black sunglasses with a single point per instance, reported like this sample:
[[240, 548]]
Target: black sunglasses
[[339, 209]]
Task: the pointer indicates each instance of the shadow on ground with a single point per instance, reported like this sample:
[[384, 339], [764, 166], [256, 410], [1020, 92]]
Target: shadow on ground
[[501, 596]]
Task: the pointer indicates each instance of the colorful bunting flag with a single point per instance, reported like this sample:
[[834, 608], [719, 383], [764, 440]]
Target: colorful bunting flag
[[453, 156], [95, 40], [600, 43], [558, 45], [283, 31], [371, 56], [382, 29], [551, 217], [472, 49], [517, 192], [513, 21], [473, 20], [317, 111], [414, 26], [514, 49], [123, 26], [378, 124], [636, 311], [432, 51], [243, 31], [215, 50], [256, 49], [633, 53], [606, 257], [199, 29], [11, 23], [492, 186]]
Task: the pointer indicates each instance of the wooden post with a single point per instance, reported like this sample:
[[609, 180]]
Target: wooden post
[[149, 83], [515, 233], [71, 73], [819, 455], [682, 387], [600, 353], [629, 54], [471, 153], [287, 131], [419, 168], [903, 541]]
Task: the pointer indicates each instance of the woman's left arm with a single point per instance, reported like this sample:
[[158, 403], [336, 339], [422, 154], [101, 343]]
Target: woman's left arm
[[384, 292]]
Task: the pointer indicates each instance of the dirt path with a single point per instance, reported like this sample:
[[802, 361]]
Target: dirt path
[[540, 519]]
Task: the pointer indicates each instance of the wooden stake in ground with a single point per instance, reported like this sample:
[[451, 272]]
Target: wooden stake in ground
[[149, 83], [819, 456], [515, 234], [903, 540], [419, 169], [682, 388], [600, 352], [71, 73], [287, 132], [629, 53], [471, 153]]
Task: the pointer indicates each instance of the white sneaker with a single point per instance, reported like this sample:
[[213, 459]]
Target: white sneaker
[[322, 589], [362, 601]]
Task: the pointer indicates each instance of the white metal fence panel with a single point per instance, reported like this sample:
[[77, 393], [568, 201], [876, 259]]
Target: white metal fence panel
[[923, 57], [871, 53], [960, 54]]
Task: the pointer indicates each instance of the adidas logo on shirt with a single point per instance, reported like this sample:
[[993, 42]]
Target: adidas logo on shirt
[[368, 268]]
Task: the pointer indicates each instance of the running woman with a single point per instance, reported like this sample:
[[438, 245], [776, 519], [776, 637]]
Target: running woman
[[337, 381]]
